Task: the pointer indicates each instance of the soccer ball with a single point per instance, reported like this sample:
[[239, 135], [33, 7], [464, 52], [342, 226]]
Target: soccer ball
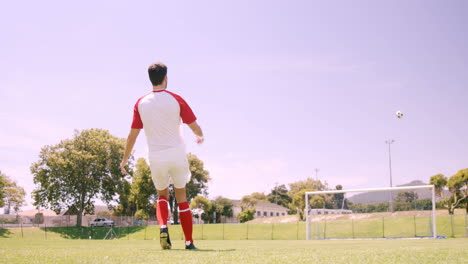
[[399, 114]]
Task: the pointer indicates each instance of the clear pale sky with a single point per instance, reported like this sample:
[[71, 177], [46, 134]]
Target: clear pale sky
[[279, 87]]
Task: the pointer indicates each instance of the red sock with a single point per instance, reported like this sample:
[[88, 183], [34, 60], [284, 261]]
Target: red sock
[[185, 216], [162, 211]]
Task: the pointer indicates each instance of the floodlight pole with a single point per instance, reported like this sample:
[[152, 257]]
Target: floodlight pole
[[390, 142]]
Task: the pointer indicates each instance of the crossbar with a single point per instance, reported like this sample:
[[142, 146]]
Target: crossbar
[[375, 189]]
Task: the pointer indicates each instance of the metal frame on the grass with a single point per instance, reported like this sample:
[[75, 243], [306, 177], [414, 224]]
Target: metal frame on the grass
[[434, 230]]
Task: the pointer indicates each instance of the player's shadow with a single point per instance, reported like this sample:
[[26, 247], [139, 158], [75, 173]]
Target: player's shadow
[[74, 232], [204, 250], [5, 233]]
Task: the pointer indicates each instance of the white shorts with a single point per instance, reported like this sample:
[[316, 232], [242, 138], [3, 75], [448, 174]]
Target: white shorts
[[169, 166]]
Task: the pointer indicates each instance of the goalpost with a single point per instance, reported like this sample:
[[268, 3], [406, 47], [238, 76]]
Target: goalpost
[[393, 212]]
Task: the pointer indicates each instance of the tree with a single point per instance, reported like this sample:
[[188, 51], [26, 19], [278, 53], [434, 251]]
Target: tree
[[279, 195], [249, 201], [14, 196], [223, 207], [198, 184], [2, 186], [439, 181], [458, 187], [252, 199], [141, 215], [143, 194], [200, 202], [339, 201], [298, 201], [76, 171], [246, 215], [11, 194], [317, 201], [299, 186], [406, 197]]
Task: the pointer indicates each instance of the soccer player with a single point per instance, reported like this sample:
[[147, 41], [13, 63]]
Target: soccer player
[[161, 113]]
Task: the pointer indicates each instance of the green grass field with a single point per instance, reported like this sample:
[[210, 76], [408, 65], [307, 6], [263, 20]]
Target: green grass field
[[15, 250], [390, 227], [244, 243]]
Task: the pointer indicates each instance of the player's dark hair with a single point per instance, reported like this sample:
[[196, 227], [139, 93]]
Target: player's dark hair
[[157, 72]]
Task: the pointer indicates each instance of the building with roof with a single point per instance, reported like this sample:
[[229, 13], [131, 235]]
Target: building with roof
[[98, 210], [262, 209]]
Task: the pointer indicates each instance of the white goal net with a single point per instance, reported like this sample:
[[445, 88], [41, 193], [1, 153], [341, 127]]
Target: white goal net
[[394, 212]]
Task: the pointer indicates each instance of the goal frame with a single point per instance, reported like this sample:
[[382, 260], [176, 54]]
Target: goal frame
[[432, 187]]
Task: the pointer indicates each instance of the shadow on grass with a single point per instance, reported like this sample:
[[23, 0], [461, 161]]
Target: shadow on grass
[[4, 233], [93, 232], [204, 250]]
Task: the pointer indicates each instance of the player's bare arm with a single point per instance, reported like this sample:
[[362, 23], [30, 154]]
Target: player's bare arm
[[131, 139], [196, 129]]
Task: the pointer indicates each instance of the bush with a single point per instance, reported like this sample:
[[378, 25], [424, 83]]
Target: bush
[[246, 215], [104, 214], [423, 204], [8, 220], [38, 218], [141, 215]]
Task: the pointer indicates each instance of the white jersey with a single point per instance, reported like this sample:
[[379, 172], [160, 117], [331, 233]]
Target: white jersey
[[161, 113]]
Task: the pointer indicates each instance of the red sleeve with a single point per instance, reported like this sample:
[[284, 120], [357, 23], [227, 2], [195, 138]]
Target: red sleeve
[[186, 112], [137, 123]]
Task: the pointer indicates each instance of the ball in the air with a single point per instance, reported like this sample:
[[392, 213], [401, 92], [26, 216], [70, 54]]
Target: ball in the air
[[399, 114]]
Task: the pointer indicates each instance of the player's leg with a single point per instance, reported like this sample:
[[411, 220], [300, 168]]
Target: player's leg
[[162, 210], [185, 216], [181, 174], [162, 213], [159, 174]]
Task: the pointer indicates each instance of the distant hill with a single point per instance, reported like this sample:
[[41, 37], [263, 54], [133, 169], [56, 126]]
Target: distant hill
[[381, 197]]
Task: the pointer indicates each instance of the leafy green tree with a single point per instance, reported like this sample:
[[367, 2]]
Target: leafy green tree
[[223, 207], [359, 208], [2, 190], [308, 183], [299, 186], [405, 200], [104, 214], [406, 196], [141, 215], [38, 219], [249, 201], [439, 181], [125, 206], [298, 202], [382, 207], [458, 187], [246, 215], [14, 196], [279, 195], [423, 204], [200, 202], [198, 184], [317, 201], [76, 171], [338, 199], [143, 194]]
